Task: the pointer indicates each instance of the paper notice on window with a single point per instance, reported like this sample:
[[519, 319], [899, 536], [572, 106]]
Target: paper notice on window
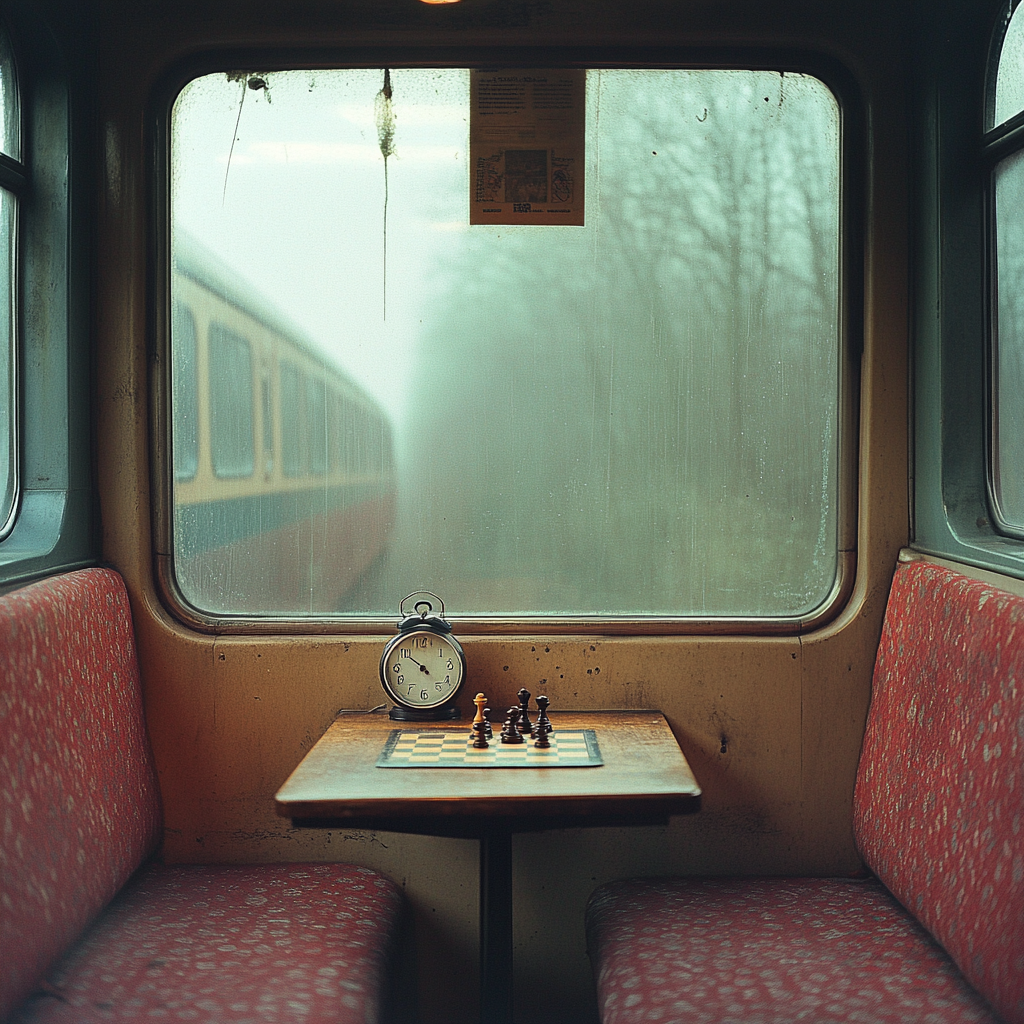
[[526, 146]]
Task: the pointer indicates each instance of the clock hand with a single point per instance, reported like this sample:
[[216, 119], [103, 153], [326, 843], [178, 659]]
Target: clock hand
[[423, 668]]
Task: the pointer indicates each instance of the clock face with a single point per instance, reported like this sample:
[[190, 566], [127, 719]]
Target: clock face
[[422, 669]]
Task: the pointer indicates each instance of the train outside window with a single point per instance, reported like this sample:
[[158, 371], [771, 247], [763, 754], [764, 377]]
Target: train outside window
[[12, 176], [639, 418], [1006, 126]]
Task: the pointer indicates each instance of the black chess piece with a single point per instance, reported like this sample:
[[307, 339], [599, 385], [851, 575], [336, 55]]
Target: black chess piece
[[510, 730], [543, 722], [525, 725], [487, 724]]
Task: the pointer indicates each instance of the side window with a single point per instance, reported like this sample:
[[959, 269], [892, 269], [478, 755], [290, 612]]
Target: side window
[[12, 181], [185, 394], [231, 413], [1005, 145], [1009, 73], [47, 486]]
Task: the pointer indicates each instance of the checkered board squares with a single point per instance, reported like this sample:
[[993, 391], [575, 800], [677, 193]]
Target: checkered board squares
[[570, 748]]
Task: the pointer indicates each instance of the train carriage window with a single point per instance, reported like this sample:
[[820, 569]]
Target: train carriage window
[[316, 404], [10, 138], [335, 440], [638, 418], [231, 404], [294, 445], [267, 418], [185, 393]]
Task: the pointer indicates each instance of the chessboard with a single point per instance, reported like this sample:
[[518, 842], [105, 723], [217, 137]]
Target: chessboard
[[570, 748]]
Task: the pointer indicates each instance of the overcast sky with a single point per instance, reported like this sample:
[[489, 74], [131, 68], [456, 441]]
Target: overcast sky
[[299, 210]]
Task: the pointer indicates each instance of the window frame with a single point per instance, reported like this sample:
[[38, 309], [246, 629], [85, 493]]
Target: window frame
[[55, 526], [952, 506], [852, 165]]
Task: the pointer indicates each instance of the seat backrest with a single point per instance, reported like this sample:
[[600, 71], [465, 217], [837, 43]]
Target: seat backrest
[[939, 802], [79, 803]]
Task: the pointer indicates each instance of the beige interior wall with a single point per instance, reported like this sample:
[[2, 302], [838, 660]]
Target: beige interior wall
[[771, 726]]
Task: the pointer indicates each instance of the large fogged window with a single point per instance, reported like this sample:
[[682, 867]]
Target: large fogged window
[[634, 418]]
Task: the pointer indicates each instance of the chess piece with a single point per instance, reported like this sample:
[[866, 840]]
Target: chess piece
[[487, 724], [510, 730], [479, 723], [525, 725], [543, 722], [541, 742]]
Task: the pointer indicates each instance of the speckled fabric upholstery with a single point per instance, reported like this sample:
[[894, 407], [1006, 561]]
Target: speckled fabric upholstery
[[258, 944], [939, 803], [939, 816], [79, 801], [768, 951]]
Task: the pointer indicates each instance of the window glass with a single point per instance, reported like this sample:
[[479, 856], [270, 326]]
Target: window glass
[[1010, 70], [8, 334], [231, 417], [10, 118], [185, 395], [1008, 398], [637, 417], [10, 133]]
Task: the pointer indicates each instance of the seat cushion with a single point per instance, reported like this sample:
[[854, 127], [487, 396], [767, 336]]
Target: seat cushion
[[768, 951], [231, 944], [939, 802], [79, 806]]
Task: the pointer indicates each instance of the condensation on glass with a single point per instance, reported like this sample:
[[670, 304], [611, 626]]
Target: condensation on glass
[[1009, 85], [1007, 471], [10, 146], [636, 418]]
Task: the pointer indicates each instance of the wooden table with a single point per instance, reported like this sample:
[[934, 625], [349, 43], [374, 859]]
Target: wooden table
[[644, 780]]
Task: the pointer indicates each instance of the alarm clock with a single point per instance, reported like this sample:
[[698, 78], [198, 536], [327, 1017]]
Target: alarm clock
[[423, 667]]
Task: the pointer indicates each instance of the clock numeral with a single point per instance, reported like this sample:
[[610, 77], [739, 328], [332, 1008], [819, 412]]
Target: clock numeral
[[401, 679], [448, 679], [424, 695], [421, 641], [440, 650], [405, 653], [438, 686], [451, 664]]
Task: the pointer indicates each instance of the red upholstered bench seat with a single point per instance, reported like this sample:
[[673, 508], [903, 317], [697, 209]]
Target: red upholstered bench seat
[[769, 951], [939, 819], [91, 929], [232, 945]]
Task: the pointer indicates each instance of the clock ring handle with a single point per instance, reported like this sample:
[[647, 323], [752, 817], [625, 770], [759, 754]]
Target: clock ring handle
[[421, 607]]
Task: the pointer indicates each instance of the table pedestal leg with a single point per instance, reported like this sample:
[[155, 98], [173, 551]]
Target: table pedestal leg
[[496, 924]]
